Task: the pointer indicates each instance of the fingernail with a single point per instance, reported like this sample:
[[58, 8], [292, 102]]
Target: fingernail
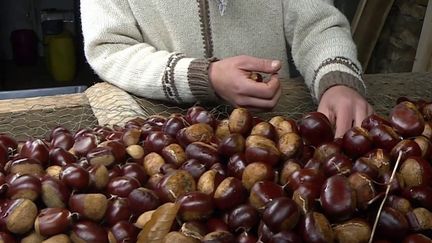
[[275, 64]]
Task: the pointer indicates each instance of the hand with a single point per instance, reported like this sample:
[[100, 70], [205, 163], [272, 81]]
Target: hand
[[344, 107], [230, 79]]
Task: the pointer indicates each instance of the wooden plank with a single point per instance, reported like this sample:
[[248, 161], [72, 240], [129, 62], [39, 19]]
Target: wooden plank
[[368, 28], [423, 59], [360, 8]]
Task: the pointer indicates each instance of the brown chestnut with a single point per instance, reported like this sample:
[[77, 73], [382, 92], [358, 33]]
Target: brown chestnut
[[209, 181], [153, 163], [407, 119], [195, 206], [264, 129], [231, 144], [122, 186], [174, 154], [25, 186], [88, 231], [337, 198], [142, 200], [240, 121], [352, 231], [117, 210], [261, 149], [263, 192], [316, 228], [53, 221], [255, 172], [392, 224], [122, 231], [290, 144], [283, 125], [174, 185], [75, 177], [61, 157], [281, 214], [90, 206], [18, 215], [416, 172], [356, 142], [312, 124], [55, 194], [230, 193]]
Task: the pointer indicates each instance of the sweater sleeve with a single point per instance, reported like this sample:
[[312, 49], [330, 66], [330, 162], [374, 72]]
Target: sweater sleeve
[[118, 53], [322, 46]]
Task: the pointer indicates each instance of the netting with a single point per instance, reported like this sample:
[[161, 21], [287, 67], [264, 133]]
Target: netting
[[35, 117], [106, 104]]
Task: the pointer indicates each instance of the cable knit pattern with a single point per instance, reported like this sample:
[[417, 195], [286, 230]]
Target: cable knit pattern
[[155, 48]]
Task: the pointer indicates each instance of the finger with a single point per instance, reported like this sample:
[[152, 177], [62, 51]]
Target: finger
[[343, 122], [257, 103], [360, 115], [370, 110], [264, 90], [249, 63]]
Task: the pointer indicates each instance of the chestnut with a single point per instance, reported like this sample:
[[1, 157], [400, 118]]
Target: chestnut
[[99, 176], [356, 142], [53, 221], [417, 238], [427, 132], [136, 152], [9, 142], [36, 149], [246, 237], [25, 166], [4, 155], [364, 189], [61, 157], [155, 120], [123, 231], [230, 193], [384, 137], [7, 238], [380, 160], [55, 194], [142, 200], [174, 236], [216, 224], [173, 125], [218, 237], [153, 163], [315, 123], [194, 167], [337, 198], [306, 197], [255, 172], [193, 112], [392, 224], [202, 152], [174, 154], [425, 146], [374, 120], [64, 140], [399, 203], [337, 164], [88, 231], [240, 121], [156, 141], [419, 195], [117, 148], [362, 165], [290, 144], [416, 172], [117, 210], [286, 237], [263, 192], [288, 168], [90, 206], [199, 132], [316, 228], [84, 143], [305, 177], [61, 238], [222, 129], [261, 149], [25, 186], [75, 177], [174, 185], [131, 136], [209, 181], [352, 231], [231, 144], [194, 229], [420, 220], [326, 150], [153, 181], [283, 125], [264, 129], [18, 215], [264, 232], [244, 218], [195, 206], [407, 119], [281, 214], [122, 186], [135, 171]]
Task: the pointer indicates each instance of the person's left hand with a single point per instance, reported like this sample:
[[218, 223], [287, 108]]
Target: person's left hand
[[344, 107]]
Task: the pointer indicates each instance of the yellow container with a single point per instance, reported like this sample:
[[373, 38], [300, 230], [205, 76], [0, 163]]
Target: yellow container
[[60, 56]]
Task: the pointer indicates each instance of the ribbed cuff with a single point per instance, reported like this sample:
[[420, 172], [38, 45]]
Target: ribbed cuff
[[199, 82], [334, 78]]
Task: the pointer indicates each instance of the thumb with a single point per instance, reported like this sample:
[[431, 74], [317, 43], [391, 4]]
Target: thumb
[[260, 65]]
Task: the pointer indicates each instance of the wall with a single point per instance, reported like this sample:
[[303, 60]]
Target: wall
[[24, 14]]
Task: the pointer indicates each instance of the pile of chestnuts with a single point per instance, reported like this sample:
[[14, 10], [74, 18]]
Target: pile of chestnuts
[[193, 178]]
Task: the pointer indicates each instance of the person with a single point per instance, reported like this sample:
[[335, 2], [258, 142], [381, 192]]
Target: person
[[184, 51]]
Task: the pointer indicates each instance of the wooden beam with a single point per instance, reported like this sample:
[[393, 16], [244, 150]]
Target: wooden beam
[[358, 14], [423, 59], [368, 26]]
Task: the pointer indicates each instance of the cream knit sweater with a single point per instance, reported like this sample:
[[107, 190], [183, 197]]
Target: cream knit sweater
[[161, 49]]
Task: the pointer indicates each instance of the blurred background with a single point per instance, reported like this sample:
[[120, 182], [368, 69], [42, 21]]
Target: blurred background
[[41, 41]]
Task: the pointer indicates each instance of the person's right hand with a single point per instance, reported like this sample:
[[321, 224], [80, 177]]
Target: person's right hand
[[230, 79]]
